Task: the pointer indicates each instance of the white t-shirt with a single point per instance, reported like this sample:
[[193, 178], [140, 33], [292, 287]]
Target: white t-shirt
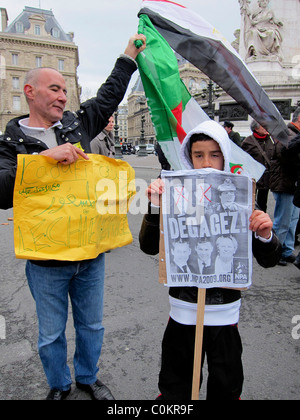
[[47, 136]]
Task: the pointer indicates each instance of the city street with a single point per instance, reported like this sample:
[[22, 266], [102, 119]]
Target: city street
[[135, 315]]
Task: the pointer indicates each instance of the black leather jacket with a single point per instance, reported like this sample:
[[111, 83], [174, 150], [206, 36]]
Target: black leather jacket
[[266, 254], [81, 126]]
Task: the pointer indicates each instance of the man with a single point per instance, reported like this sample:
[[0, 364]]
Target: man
[[261, 147], [64, 137], [227, 192], [233, 135], [292, 154], [181, 253], [283, 179], [103, 144], [294, 125], [227, 247], [204, 265]]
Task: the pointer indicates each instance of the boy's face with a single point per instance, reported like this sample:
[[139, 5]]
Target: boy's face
[[207, 154]]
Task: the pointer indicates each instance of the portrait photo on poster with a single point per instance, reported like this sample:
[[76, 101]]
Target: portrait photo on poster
[[206, 229]]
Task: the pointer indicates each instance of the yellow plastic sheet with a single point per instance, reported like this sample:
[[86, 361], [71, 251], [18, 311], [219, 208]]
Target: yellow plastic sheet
[[73, 212]]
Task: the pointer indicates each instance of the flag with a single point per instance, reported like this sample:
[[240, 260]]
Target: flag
[[203, 45], [174, 111]]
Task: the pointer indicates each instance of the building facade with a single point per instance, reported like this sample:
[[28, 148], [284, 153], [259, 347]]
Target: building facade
[[137, 112], [123, 123], [34, 39]]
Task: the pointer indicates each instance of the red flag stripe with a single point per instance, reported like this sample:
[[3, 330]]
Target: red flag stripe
[[177, 112]]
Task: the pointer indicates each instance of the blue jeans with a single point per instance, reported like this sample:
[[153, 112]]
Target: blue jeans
[[286, 217], [50, 288]]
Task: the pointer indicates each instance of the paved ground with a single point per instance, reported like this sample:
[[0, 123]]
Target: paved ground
[[136, 311]]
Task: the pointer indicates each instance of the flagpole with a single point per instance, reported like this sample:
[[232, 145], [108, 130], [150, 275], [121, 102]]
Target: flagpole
[[198, 344]]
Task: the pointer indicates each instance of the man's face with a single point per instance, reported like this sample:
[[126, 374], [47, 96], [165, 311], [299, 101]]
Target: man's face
[[227, 197], [204, 251], [207, 154], [181, 253], [226, 250], [48, 98], [261, 130]]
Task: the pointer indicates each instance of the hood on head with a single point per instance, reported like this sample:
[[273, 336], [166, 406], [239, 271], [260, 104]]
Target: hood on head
[[216, 132]]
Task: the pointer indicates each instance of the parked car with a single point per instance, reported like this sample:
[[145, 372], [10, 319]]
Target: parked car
[[150, 148]]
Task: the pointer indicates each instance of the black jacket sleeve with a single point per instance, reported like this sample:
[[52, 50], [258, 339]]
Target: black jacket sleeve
[[8, 169], [267, 254], [150, 234]]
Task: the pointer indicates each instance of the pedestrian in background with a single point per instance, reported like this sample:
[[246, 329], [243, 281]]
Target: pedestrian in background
[[233, 135], [104, 144], [283, 178], [261, 147]]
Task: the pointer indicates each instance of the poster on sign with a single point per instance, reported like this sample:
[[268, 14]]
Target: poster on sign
[[206, 229]]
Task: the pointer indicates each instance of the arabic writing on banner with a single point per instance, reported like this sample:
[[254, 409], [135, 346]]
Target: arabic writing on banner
[[71, 212], [206, 229]]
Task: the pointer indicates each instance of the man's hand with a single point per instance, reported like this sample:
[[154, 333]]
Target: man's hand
[[261, 223], [65, 154], [131, 49]]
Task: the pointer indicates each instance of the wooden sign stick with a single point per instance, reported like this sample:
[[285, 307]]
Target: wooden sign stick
[[198, 343]]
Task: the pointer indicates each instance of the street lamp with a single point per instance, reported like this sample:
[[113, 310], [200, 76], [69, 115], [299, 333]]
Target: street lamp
[[118, 152], [142, 146], [211, 95], [142, 149]]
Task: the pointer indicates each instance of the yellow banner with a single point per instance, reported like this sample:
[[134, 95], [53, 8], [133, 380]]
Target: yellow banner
[[71, 212]]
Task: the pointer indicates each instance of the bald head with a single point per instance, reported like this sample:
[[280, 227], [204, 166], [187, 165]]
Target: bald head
[[45, 91], [33, 75]]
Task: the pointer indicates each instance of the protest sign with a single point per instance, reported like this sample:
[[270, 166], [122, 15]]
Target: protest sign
[[71, 212], [206, 229]]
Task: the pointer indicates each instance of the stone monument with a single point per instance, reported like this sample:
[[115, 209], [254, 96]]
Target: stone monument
[[270, 38], [270, 45]]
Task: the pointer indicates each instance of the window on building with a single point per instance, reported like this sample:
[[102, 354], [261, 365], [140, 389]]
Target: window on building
[[16, 83], [55, 32], [38, 61], [37, 29], [61, 65], [19, 27], [16, 103], [15, 59]]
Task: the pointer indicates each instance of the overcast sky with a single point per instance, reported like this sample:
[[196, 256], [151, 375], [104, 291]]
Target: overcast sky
[[102, 28]]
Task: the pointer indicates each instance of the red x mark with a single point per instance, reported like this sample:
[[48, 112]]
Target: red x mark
[[204, 193], [180, 194]]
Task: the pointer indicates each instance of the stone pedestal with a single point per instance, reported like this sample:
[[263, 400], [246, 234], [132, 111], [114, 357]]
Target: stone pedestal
[[268, 72], [277, 69], [273, 68]]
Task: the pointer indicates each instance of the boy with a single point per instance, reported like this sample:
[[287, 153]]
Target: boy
[[207, 146]]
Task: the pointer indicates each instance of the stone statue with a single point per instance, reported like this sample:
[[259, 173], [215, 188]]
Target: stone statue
[[262, 35]]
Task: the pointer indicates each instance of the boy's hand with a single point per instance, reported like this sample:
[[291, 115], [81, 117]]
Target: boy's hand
[[154, 191], [261, 223]]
